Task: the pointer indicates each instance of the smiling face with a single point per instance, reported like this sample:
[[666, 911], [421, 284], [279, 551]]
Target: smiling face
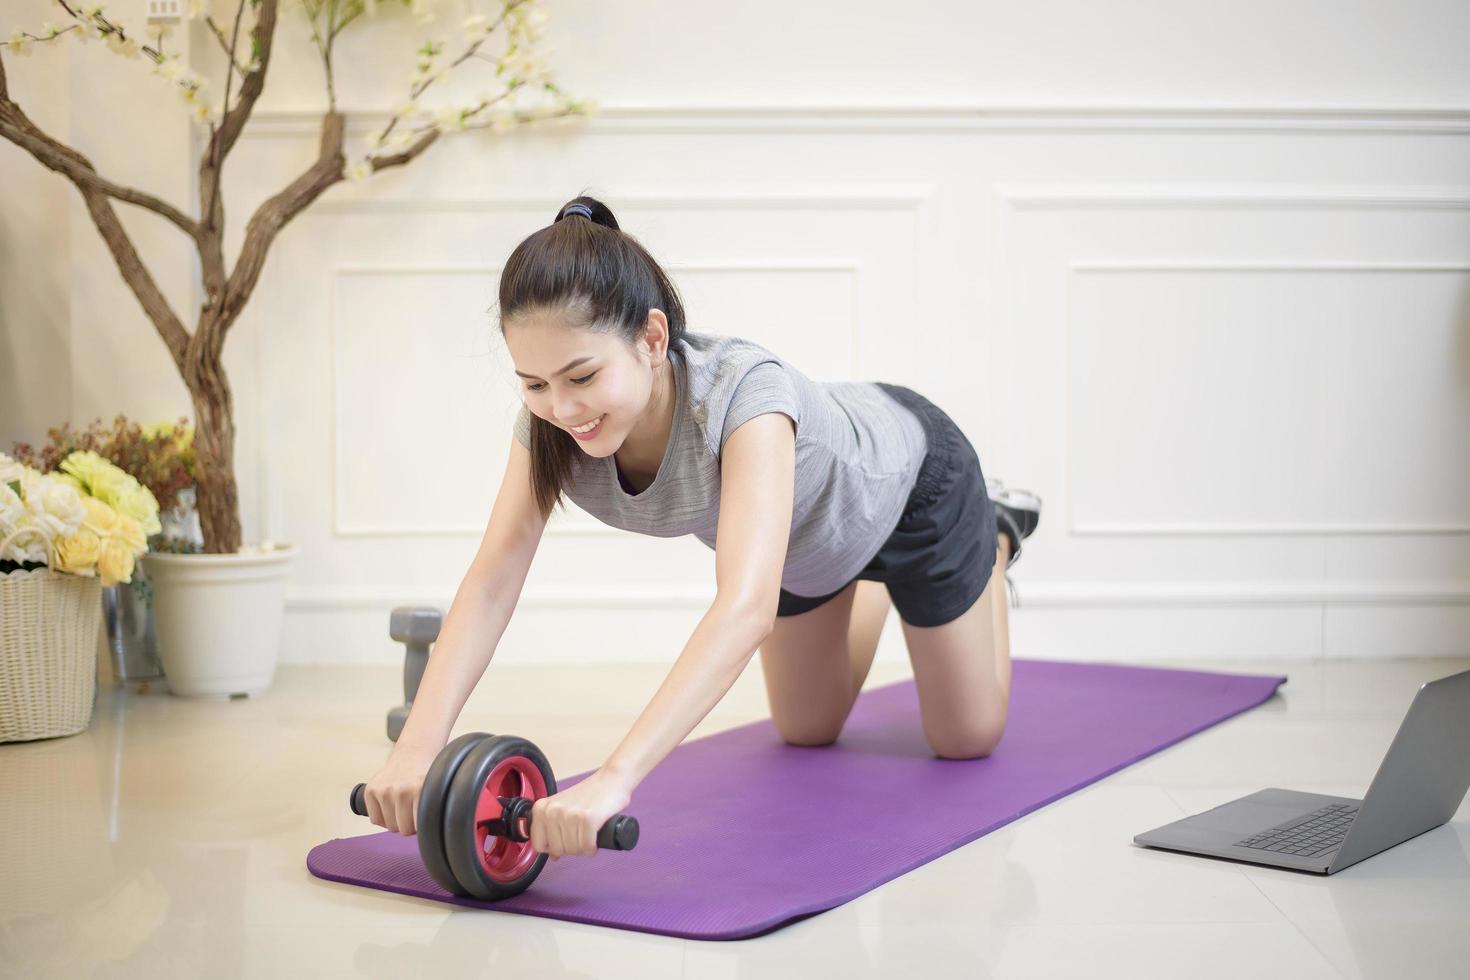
[[571, 376]]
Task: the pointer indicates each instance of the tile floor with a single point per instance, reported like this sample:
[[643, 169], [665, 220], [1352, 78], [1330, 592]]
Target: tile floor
[[169, 840]]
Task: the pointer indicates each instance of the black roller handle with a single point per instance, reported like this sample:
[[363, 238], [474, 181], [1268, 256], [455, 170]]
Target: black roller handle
[[620, 833]]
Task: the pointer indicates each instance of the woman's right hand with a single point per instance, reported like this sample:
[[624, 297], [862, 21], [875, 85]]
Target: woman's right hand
[[392, 795]]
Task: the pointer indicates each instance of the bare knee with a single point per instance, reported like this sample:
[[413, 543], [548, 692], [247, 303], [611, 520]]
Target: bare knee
[[808, 735], [971, 742]]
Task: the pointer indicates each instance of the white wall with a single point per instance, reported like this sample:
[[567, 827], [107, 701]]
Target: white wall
[[1195, 274]]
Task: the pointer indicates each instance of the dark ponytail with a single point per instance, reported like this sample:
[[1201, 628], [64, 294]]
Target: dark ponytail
[[596, 277]]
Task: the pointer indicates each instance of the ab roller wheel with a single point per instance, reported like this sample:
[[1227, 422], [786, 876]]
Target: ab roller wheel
[[474, 816]]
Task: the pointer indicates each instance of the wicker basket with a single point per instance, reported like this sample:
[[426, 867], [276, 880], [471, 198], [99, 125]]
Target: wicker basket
[[48, 653]]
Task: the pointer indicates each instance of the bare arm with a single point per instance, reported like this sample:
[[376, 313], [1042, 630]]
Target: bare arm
[[477, 618], [472, 630], [757, 478], [481, 609]]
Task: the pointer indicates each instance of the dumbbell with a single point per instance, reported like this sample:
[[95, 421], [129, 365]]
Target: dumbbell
[[416, 627], [474, 816]]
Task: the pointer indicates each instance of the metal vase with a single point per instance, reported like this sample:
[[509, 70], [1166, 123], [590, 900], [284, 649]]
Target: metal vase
[[127, 609]]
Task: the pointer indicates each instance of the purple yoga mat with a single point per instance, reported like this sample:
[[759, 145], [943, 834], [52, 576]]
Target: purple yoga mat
[[742, 833]]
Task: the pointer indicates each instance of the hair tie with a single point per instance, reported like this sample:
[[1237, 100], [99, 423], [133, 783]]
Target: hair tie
[[581, 209]]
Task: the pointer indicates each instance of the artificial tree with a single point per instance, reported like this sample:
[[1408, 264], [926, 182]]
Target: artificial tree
[[226, 288]]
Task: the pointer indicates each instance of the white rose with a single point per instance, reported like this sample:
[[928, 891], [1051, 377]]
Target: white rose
[[12, 515], [55, 506]]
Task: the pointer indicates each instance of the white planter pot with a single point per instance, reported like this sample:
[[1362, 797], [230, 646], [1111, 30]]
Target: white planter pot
[[218, 620]]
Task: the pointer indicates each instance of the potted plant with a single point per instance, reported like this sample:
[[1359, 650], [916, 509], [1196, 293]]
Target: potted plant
[[63, 536], [160, 457], [520, 91]]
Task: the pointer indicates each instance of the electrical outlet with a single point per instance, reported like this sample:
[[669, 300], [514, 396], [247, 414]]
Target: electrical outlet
[[165, 11]]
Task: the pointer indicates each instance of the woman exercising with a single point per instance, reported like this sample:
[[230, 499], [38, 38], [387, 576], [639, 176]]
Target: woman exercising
[[823, 501]]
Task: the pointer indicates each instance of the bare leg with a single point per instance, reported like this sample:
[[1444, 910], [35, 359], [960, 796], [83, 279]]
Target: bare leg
[[962, 670], [1000, 602], [869, 612]]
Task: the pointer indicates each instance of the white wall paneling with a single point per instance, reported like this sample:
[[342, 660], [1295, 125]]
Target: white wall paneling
[[1087, 290], [1202, 351]]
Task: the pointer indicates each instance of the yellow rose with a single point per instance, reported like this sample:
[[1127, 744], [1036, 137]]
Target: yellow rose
[[137, 502], [101, 519], [92, 474], [130, 534], [77, 554], [115, 562]]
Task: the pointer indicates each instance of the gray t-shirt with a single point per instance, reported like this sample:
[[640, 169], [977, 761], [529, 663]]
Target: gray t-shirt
[[858, 454]]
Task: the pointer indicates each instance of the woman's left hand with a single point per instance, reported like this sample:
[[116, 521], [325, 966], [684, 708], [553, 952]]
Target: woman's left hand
[[568, 822]]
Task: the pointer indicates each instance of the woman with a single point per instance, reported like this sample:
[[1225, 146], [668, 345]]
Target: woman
[[815, 496]]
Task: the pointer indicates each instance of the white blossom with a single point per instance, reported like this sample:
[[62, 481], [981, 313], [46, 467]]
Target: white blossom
[[502, 121], [206, 113], [406, 109], [192, 86], [527, 66], [18, 43], [536, 23], [91, 10], [169, 68], [527, 22], [476, 27], [358, 171], [127, 47], [450, 120]]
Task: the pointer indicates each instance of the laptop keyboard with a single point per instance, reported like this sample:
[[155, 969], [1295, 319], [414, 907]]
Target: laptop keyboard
[[1318, 831]]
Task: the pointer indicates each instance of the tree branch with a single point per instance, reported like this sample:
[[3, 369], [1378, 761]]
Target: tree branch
[[136, 275], [399, 159], [273, 215], [212, 214], [212, 161], [227, 47], [261, 36], [16, 127]]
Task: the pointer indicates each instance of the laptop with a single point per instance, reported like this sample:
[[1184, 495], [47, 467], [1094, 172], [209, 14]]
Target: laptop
[[1419, 785]]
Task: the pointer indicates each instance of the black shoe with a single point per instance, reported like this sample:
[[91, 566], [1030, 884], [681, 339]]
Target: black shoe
[[1017, 513]]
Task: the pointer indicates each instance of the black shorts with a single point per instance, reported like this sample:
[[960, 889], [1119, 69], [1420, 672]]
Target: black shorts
[[939, 558]]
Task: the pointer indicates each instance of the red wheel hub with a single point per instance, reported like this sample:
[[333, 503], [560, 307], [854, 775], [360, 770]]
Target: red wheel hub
[[506, 860]]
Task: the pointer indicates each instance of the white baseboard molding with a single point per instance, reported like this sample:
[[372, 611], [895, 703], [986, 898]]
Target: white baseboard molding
[[1140, 622]]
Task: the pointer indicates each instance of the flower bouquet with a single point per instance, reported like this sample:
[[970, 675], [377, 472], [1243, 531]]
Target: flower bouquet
[[161, 458], [63, 536]]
